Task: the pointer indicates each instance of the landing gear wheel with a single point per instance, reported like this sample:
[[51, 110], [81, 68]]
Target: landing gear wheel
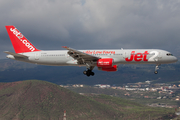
[[156, 72], [92, 73], [88, 73], [84, 72]]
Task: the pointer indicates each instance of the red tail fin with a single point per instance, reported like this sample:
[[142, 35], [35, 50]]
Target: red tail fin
[[19, 41]]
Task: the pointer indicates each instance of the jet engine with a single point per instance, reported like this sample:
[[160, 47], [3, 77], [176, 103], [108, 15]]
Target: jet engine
[[110, 69], [106, 64]]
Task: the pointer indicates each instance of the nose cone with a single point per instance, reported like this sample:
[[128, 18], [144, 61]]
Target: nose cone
[[175, 59]]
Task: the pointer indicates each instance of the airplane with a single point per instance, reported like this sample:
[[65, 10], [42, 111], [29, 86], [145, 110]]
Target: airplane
[[105, 60]]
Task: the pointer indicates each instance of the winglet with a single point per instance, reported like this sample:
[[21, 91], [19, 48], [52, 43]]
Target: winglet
[[64, 47]]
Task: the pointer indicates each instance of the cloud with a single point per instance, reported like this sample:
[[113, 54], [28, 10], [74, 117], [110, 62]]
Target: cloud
[[93, 24]]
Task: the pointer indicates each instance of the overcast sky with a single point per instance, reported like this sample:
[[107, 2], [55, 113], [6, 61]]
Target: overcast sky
[[93, 24]]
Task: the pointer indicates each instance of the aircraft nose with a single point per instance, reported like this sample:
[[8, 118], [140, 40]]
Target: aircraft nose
[[175, 59]]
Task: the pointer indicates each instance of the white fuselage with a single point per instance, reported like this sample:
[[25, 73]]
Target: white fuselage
[[121, 56]]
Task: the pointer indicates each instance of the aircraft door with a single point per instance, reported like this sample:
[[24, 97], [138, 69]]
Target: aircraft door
[[37, 56], [159, 56], [67, 56], [124, 55]]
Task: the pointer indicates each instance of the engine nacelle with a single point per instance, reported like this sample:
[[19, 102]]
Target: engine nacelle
[[109, 69], [105, 62]]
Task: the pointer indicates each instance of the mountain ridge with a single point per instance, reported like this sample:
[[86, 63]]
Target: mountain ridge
[[35, 99]]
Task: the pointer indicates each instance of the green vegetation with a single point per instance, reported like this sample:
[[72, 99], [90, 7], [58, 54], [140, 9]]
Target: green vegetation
[[137, 96], [42, 100], [132, 110]]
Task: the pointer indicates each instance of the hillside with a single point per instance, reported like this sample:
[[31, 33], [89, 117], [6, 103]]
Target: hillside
[[42, 100], [134, 111]]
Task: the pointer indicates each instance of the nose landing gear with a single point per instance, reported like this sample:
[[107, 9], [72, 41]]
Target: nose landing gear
[[156, 69]]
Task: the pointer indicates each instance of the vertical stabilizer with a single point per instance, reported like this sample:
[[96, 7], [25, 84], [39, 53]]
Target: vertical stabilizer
[[19, 41]]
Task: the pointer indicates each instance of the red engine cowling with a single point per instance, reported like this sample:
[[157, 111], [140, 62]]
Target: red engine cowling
[[109, 69], [105, 62]]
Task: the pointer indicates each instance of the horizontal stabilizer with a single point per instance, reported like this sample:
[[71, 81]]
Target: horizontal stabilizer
[[15, 55]]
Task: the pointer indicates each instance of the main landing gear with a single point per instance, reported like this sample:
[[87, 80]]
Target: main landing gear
[[156, 69], [88, 72]]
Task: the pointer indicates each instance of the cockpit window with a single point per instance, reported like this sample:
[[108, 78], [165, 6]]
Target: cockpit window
[[169, 54]]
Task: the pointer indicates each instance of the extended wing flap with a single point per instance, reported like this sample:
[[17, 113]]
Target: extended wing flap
[[15, 55], [74, 53]]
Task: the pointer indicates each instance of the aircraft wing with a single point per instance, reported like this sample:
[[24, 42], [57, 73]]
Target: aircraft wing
[[15, 55], [80, 56]]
